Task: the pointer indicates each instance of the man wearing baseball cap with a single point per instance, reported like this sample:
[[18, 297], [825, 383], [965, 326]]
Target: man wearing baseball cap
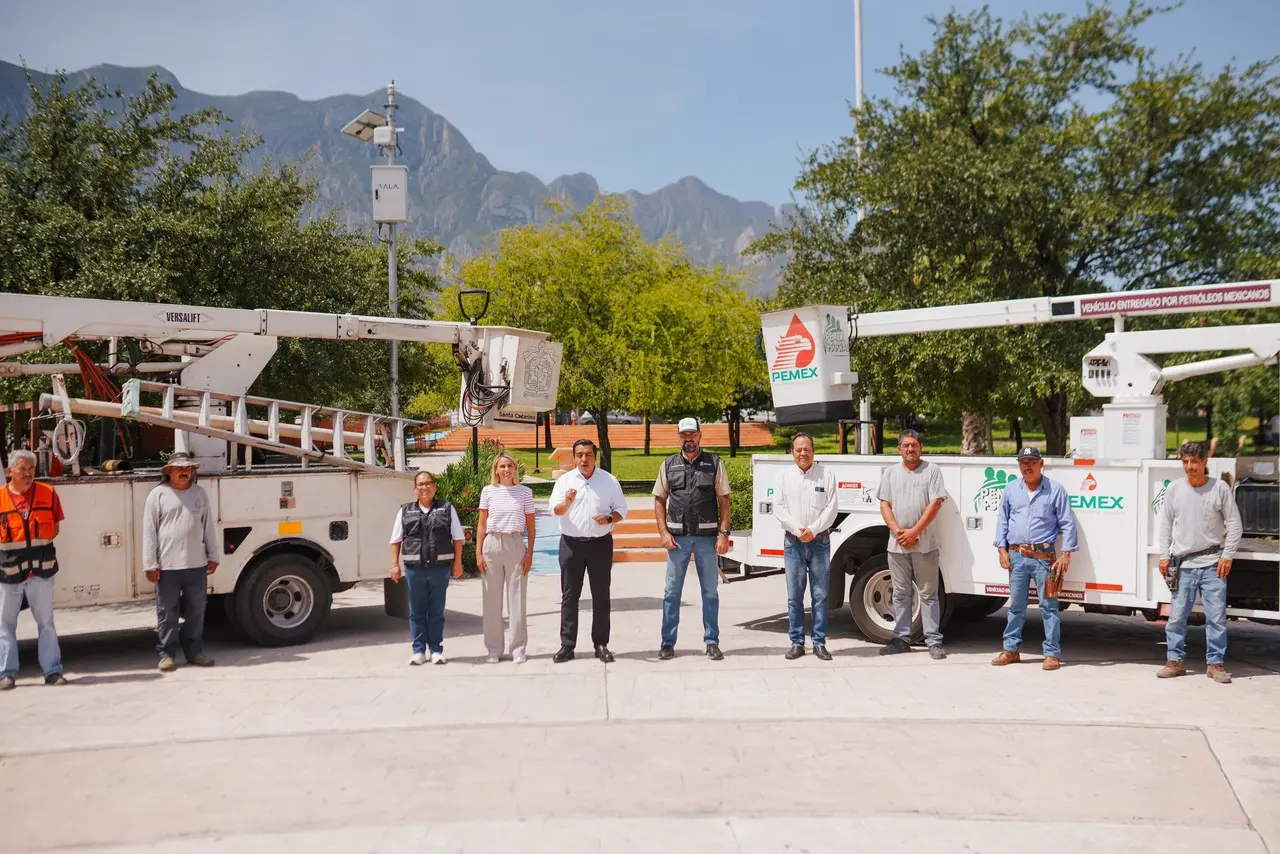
[[691, 506], [1034, 511], [179, 551]]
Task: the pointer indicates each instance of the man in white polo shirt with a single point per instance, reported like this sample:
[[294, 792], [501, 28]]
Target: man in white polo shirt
[[804, 504], [589, 502]]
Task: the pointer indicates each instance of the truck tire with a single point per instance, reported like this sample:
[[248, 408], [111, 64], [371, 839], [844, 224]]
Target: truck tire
[[283, 601], [871, 602]]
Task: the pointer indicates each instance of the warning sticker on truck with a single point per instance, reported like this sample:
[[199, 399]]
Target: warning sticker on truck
[[855, 495]]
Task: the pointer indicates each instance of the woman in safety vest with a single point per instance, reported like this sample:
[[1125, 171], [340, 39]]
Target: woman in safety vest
[[428, 535]]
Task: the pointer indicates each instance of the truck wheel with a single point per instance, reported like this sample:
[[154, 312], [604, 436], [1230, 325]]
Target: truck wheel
[[283, 601], [871, 602]]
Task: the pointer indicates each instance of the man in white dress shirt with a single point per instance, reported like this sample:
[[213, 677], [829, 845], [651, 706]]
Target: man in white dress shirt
[[804, 503], [588, 502]]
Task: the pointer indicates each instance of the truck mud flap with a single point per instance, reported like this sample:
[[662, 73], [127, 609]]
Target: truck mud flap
[[731, 571], [395, 598]]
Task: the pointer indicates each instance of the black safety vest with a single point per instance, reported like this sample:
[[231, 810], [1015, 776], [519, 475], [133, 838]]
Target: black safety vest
[[428, 540], [692, 509]]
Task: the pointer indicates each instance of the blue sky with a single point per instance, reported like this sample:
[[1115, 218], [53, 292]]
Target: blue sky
[[637, 94]]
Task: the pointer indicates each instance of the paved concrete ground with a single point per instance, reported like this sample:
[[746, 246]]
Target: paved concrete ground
[[338, 746]]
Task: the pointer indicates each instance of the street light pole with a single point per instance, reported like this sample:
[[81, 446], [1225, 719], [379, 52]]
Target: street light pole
[[393, 284], [864, 403]]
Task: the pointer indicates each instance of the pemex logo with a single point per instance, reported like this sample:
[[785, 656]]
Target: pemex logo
[[1089, 484], [795, 352], [987, 499]]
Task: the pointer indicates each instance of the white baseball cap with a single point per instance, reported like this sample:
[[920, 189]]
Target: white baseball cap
[[688, 425]]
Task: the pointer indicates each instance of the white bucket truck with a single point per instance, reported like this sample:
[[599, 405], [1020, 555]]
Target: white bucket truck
[[291, 532], [1116, 489]]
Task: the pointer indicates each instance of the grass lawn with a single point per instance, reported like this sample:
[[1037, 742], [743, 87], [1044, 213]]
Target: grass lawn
[[631, 464]]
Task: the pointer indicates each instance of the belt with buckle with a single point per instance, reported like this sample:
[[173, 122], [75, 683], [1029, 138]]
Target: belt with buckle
[[1034, 550]]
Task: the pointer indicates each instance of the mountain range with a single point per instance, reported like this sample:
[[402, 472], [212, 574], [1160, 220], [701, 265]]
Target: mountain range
[[455, 194]]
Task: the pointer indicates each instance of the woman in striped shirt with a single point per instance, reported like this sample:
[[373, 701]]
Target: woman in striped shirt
[[502, 556]]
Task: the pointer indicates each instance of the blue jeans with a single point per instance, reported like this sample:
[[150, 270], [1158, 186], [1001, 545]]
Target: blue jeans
[[426, 606], [809, 562], [1025, 570], [703, 550], [1213, 593], [39, 592], [181, 591]]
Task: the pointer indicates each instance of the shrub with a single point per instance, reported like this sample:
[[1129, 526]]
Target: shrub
[[782, 436], [739, 472]]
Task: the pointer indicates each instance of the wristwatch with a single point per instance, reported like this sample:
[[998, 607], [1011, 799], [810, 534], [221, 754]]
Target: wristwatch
[[724, 532]]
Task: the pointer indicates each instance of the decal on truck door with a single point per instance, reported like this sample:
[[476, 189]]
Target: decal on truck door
[[987, 499]]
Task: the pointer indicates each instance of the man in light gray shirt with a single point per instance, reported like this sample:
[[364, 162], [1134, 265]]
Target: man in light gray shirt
[[911, 494], [179, 551], [1199, 533]]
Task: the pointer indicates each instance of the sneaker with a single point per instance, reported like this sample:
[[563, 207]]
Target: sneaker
[[936, 652], [166, 664], [895, 646], [201, 660], [7, 683], [519, 658], [1171, 669], [438, 658], [1218, 674], [491, 659], [1006, 657], [666, 653], [59, 679], [418, 658]]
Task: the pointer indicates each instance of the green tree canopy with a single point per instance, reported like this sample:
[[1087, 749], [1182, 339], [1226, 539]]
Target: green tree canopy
[[114, 197], [1042, 157], [643, 329]]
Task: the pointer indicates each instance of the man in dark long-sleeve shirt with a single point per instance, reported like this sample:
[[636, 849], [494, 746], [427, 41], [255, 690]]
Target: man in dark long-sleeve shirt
[[1033, 512]]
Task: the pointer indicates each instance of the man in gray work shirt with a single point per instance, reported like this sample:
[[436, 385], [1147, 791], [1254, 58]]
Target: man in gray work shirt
[[1199, 533], [911, 494], [179, 551]]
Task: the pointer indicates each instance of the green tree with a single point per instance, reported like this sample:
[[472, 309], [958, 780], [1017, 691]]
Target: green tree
[[109, 196], [642, 328], [1039, 158]]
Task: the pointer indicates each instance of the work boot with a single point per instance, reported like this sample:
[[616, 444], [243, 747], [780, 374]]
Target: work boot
[[201, 659], [1051, 662], [714, 653], [166, 664], [565, 654], [1171, 669], [820, 652], [1006, 657], [666, 653], [936, 652], [602, 653], [795, 652], [895, 646], [1218, 674]]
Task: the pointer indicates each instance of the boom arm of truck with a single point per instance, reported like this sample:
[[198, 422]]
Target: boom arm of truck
[[807, 348], [518, 368]]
